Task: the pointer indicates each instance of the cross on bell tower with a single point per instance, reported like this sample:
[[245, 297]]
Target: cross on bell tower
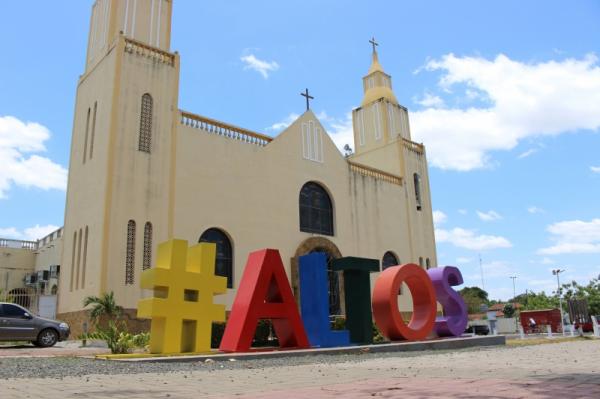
[[308, 98], [374, 44]]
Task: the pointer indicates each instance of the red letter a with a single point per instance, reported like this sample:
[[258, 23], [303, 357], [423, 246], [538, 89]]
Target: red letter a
[[264, 293]]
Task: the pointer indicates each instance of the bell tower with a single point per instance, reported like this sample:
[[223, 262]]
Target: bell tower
[[120, 193], [380, 123], [145, 21]]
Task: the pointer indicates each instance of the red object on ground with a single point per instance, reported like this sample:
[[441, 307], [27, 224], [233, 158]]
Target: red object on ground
[[542, 318], [264, 293], [385, 303]]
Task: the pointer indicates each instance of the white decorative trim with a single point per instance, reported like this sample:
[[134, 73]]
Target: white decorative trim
[[312, 142], [158, 32], [134, 19], [377, 121], [392, 119], [126, 18], [105, 27], [151, 35]]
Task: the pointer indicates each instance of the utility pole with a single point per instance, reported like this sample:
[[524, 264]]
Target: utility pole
[[481, 269], [513, 278], [557, 273]]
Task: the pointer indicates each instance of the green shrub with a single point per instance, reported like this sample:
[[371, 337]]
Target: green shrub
[[118, 339]]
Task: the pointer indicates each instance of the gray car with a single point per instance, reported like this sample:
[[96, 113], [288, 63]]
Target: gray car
[[18, 324]]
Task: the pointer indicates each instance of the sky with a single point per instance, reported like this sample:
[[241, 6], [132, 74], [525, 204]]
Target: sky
[[505, 95]]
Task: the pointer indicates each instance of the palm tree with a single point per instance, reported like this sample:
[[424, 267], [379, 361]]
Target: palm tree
[[103, 305]]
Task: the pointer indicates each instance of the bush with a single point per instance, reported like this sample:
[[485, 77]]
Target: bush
[[118, 339]]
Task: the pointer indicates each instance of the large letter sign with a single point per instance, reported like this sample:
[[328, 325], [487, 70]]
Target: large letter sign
[[455, 317], [264, 293], [357, 290], [182, 311], [385, 303], [314, 302]]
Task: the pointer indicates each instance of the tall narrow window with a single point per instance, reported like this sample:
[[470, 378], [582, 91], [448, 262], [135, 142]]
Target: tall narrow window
[[224, 258], [93, 129], [377, 121], [85, 246], [427, 264], [73, 260], [417, 183], [316, 211], [421, 261], [78, 259], [130, 253], [361, 127], [87, 132], [389, 259], [312, 142], [147, 262], [145, 141]]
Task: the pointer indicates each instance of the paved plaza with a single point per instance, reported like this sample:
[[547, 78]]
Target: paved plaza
[[558, 370]]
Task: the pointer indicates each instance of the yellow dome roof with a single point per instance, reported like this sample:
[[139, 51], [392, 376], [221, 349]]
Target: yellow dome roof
[[375, 93]]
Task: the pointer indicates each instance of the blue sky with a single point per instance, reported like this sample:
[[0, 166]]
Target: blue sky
[[506, 97]]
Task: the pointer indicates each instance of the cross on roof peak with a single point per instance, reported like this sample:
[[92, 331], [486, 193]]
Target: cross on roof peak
[[374, 44], [308, 98]]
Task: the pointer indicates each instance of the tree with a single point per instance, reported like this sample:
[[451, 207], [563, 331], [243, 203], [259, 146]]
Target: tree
[[104, 305], [509, 310], [589, 292], [474, 297]]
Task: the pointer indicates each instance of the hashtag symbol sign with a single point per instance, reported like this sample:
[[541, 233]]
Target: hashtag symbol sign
[[182, 309]]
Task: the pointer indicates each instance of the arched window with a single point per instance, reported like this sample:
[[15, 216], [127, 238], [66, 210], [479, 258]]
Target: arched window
[[417, 182], [316, 212], [147, 261], [389, 259], [73, 260], [224, 259], [335, 305], [145, 141], [130, 253], [427, 264]]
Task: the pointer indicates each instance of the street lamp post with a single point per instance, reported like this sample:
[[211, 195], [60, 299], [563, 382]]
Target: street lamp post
[[557, 273]]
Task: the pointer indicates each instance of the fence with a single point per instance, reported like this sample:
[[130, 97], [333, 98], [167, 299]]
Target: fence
[[22, 297]]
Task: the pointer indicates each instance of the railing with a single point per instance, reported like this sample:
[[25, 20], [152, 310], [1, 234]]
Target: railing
[[375, 173], [223, 129], [50, 237], [414, 147], [144, 50], [18, 244]]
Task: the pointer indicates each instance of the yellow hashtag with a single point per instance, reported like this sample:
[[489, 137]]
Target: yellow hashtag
[[182, 308]]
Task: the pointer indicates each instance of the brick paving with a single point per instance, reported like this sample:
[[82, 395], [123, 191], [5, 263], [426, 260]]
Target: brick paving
[[561, 370]]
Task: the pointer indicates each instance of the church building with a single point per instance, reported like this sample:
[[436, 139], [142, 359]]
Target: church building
[[143, 171]]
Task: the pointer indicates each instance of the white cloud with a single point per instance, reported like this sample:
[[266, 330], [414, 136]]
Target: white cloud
[[287, 121], [468, 239], [489, 216], [526, 100], [30, 234], [574, 236], [430, 101], [527, 153], [535, 209], [439, 217], [341, 131], [18, 142], [595, 169], [260, 66]]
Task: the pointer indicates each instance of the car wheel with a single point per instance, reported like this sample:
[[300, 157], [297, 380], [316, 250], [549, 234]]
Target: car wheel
[[47, 338]]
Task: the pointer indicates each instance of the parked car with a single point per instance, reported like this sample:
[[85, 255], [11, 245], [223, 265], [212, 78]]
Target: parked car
[[18, 324], [479, 330]]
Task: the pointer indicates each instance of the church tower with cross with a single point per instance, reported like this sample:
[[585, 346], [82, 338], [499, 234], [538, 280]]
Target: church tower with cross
[[143, 171]]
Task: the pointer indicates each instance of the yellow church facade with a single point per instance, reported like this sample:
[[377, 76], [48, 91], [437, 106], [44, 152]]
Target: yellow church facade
[[143, 171]]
